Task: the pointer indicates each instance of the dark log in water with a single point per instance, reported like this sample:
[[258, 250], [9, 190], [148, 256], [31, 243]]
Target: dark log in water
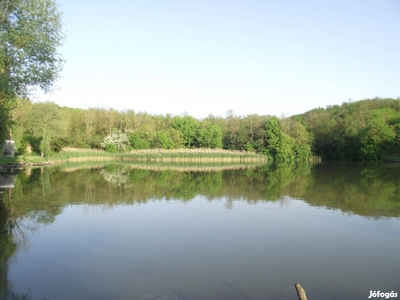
[[301, 293]]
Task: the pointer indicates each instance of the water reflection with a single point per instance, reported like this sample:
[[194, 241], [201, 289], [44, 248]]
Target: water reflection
[[354, 188], [367, 190], [6, 181], [17, 224], [35, 198]]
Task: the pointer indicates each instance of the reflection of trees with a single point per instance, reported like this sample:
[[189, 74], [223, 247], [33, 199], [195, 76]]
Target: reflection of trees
[[39, 196], [16, 225], [7, 250], [367, 190], [346, 187], [115, 175], [49, 189], [13, 235]]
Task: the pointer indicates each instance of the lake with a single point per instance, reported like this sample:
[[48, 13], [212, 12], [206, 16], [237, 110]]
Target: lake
[[147, 231]]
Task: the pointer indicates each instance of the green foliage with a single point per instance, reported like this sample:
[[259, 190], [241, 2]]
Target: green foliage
[[368, 130], [302, 138], [189, 128], [209, 135], [376, 138], [43, 122], [18, 137], [363, 130], [5, 120], [45, 145], [169, 139], [30, 33], [116, 142], [279, 145], [139, 141], [302, 152]]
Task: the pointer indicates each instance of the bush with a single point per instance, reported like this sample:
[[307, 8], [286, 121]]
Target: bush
[[115, 142]]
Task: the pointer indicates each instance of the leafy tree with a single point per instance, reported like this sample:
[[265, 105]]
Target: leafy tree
[[45, 148], [298, 132], [139, 141], [209, 135], [169, 139], [189, 127], [364, 129], [233, 127], [253, 122], [44, 121], [5, 119], [116, 142], [17, 130], [279, 145], [30, 33], [376, 138], [76, 131]]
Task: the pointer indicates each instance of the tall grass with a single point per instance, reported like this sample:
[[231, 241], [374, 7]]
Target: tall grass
[[155, 166], [161, 155]]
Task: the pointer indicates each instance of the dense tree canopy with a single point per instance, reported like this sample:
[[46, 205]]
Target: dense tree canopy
[[30, 34], [365, 130]]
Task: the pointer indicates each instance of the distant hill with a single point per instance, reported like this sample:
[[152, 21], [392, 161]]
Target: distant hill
[[363, 130]]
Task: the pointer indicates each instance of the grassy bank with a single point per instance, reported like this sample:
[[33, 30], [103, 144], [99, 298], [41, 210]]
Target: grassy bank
[[161, 155], [24, 159], [183, 156]]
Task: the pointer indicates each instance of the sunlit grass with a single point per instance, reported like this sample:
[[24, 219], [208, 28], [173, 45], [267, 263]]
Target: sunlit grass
[[26, 159], [161, 155]]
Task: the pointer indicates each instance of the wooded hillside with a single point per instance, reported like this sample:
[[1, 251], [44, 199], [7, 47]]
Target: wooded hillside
[[363, 130]]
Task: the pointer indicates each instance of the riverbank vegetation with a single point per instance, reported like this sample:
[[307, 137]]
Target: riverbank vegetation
[[365, 130], [201, 155], [46, 128]]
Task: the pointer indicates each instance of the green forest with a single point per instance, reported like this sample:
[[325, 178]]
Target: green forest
[[364, 130], [30, 36]]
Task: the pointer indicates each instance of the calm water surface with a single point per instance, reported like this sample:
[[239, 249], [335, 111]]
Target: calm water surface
[[146, 232]]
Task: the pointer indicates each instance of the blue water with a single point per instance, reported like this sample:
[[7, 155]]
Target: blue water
[[202, 250]]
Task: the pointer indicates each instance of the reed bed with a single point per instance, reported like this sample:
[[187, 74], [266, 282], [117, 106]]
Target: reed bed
[[162, 155], [154, 166], [192, 168]]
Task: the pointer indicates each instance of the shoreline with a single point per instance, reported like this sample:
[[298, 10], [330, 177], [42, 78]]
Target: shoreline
[[189, 156]]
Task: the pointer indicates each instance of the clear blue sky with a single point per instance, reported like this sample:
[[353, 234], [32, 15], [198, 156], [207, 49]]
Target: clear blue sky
[[205, 57]]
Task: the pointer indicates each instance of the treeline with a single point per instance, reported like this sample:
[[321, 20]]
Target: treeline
[[46, 127], [363, 130]]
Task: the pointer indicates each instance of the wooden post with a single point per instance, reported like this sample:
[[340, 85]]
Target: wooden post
[[301, 293]]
